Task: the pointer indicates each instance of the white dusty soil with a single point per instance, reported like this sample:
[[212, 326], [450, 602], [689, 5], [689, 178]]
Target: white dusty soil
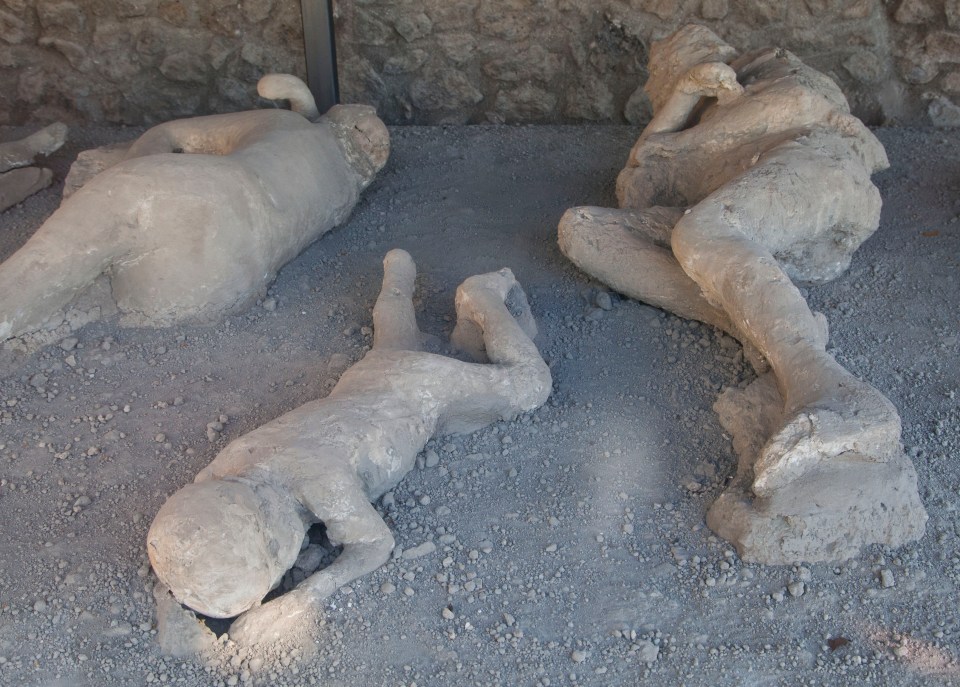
[[570, 544]]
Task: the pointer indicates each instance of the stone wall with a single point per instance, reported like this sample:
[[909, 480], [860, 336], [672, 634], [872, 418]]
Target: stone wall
[[454, 61]]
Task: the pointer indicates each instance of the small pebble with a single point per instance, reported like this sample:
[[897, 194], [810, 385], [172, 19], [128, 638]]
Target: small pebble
[[887, 579], [423, 549], [649, 652]]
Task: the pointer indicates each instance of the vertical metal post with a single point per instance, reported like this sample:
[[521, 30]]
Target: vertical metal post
[[320, 51]]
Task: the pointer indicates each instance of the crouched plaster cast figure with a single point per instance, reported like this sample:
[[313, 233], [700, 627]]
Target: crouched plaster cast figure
[[199, 214], [751, 172], [222, 543], [19, 179]]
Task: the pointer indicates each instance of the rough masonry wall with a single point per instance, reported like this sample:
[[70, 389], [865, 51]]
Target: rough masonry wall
[[454, 61]]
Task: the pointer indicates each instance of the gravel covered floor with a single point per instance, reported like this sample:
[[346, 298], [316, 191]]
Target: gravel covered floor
[[570, 544]]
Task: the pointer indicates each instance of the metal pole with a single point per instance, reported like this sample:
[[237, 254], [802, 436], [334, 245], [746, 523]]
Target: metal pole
[[320, 52]]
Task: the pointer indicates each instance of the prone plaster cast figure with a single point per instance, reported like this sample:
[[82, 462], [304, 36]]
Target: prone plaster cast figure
[[752, 172], [221, 543], [198, 215], [19, 179]]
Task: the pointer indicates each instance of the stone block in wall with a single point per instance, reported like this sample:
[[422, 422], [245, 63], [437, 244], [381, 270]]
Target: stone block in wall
[[943, 47], [174, 12], [526, 103], [267, 57], [915, 12], [61, 14], [534, 63], [186, 67], [31, 84], [18, 6], [493, 21], [119, 67], [457, 47], [444, 90], [73, 52], [285, 29], [858, 9], [664, 9], [952, 10], [714, 9], [590, 99], [950, 83], [13, 30], [405, 63], [762, 12], [255, 11], [221, 16], [412, 25], [136, 8], [866, 67], [914, 64], [452, 15], [370, 29], [942, 111], [360, 82], [112, 35], [221, 50]]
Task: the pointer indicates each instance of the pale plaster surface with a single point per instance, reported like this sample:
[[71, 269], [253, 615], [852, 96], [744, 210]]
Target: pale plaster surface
[[577, 527], [753, 173], [223, 542], [193, 220]]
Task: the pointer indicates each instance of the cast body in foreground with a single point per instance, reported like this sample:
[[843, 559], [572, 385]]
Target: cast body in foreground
[[222, 543]]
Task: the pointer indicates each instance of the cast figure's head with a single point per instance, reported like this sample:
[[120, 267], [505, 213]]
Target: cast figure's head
[[221, 545], [364, 138]]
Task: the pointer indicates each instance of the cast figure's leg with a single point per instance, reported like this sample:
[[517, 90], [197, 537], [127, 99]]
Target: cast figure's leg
[[629, 250], [495, 305], [19, 184], [721, 243], [18, 180], [23, 152], [394, 319]]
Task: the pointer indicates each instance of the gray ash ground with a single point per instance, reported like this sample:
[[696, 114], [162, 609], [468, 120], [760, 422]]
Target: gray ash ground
[[565, 548]]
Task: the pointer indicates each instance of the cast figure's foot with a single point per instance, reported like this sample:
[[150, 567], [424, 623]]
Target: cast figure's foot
[[853, 421], [483, 296]]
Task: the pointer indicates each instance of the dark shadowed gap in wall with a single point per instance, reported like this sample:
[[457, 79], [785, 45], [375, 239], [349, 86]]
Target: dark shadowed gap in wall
[[320, 52]]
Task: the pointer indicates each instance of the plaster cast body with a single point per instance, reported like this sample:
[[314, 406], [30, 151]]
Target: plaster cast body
[[196, 217], [18, 178], [223, 542], [751, 172]]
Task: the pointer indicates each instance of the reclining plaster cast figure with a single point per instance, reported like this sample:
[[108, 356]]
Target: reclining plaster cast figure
[[18, 178], [222, 543], [193, 236], [753, 172]]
